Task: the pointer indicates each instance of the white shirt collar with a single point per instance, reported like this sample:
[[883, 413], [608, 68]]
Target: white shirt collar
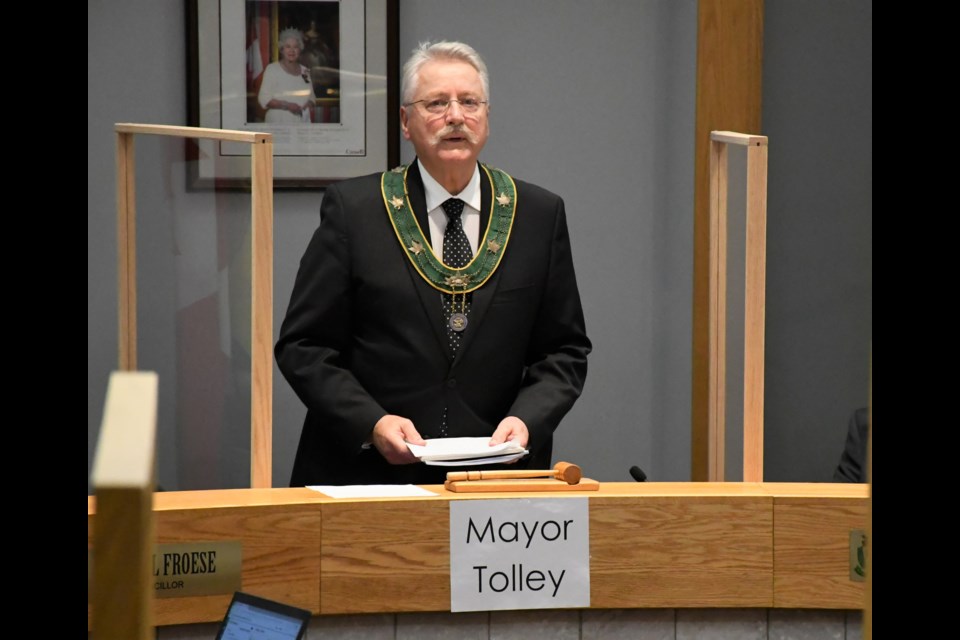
[[436, 195]]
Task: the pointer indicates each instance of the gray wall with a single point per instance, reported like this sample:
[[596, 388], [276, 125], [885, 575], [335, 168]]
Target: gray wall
[[818, 114], [595, 102]]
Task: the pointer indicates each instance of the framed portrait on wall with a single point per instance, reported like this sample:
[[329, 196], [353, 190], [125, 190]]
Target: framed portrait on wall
[[319, 75]]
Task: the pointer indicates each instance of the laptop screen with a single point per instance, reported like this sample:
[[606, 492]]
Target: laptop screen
[[250, 616]]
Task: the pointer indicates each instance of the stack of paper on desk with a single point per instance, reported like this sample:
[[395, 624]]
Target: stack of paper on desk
[[461, 452]]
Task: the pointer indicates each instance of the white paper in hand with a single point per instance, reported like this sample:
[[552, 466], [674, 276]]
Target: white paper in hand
[[462, 449], [473, 462]]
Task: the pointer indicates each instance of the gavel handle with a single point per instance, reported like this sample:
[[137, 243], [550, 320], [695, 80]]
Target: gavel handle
[[501, 475]]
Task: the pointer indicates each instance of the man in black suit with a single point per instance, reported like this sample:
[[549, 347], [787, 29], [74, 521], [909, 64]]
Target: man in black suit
[[401, 327], [853, 461]]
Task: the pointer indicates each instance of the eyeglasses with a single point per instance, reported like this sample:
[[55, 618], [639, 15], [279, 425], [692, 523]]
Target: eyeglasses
[[440, 105]]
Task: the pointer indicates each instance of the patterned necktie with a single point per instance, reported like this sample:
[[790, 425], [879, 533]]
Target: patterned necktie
[[456, 248], [456, 254]]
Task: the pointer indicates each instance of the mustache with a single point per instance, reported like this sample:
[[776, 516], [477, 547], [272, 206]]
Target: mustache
[[455, 128]]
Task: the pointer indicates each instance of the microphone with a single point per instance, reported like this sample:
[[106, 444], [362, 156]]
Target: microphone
[[637, 473]]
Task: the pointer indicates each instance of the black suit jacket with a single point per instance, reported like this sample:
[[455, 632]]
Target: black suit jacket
[[364, 336], [853, 461]]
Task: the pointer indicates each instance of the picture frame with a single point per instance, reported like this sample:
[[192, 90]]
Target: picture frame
[[337, 119]]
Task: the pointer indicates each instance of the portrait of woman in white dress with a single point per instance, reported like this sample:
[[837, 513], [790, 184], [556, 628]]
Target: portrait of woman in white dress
[[286, 91]]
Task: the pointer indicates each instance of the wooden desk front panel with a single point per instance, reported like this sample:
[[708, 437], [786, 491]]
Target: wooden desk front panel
[[677, 551], [280, 551], [281, 555], [681, 552], [657, 545], [385, 557], [812, 552]]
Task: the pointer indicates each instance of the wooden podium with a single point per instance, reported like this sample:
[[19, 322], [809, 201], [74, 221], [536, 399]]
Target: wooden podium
[[696, 545]]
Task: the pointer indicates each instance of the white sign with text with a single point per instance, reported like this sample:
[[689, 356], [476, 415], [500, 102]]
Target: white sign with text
[[519, 553]]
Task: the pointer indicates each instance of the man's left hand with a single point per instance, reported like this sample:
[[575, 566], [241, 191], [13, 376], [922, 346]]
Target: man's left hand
[[511, 428]]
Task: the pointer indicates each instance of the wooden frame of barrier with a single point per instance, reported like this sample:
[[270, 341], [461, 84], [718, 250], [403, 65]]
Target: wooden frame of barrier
[[261, 211], [690, 545], [754, 304]]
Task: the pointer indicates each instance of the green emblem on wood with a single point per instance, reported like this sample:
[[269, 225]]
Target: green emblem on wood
[[858, 555]]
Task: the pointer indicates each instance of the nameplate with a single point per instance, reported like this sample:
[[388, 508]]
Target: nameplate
[[519, 553], [190, 569], [196, 569]]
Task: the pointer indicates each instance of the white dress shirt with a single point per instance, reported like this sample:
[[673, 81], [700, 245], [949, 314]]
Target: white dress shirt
[[436, 195]]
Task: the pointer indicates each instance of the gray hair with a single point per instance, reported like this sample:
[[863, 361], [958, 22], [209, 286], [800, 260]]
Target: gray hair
[[442, 50], [286, 34]]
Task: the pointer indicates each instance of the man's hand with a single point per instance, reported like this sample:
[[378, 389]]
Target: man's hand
[[511, 428], [390, 435]]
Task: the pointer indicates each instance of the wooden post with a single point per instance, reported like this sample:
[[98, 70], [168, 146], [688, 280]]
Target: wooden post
[[754, 310], [126, 253], [123, 481], [717, 313], [729, 79], [261, 308]]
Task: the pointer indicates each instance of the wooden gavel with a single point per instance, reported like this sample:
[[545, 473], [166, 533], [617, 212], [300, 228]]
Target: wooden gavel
[[566, 471]]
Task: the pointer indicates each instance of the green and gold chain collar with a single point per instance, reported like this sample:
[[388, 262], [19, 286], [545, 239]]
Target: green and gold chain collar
[[503, 206]]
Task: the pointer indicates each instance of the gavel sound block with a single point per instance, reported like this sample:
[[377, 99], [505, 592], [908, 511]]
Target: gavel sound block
[[565, 476]]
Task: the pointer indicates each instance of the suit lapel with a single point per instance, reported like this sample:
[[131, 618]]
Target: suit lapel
[[482, 296]]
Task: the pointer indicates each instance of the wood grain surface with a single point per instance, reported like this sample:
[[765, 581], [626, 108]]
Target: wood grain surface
[[812, 552], [652, 545], [681, 552]]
